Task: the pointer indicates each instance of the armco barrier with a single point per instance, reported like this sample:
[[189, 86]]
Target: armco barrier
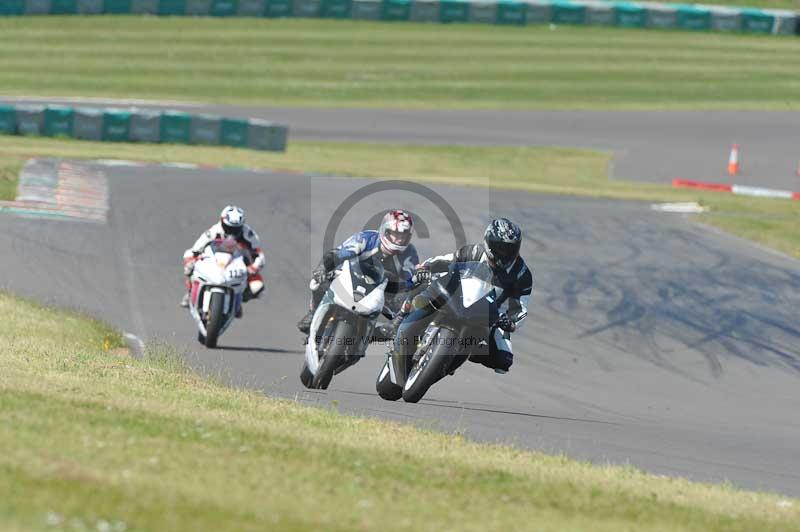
[[692, 17], [141, 125]]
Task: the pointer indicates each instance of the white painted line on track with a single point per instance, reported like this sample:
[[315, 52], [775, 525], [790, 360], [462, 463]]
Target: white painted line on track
[[680, 208], [135, 344]]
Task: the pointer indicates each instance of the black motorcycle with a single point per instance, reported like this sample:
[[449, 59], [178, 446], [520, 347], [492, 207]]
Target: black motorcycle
[[461, 327]]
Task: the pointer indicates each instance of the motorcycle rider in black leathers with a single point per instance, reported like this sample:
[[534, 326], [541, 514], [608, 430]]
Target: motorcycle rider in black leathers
[[513, 283]]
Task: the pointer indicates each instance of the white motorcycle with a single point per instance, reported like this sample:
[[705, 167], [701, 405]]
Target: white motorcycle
[[344, 321], [218, 282]]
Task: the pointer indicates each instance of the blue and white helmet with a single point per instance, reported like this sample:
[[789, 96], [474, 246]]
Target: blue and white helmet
[[395, 231], [232, 220]]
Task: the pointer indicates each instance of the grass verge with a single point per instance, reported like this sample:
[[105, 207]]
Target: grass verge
[[9, 172], [357, 64], [539, 170], [95, 440]]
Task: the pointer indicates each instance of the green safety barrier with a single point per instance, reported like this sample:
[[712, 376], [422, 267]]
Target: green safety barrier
[[280, 8], [395, 10], [175, 127], [694, 18], [117, 7], [224, 8], [599, 13], [630, 15], [8, 120], [595, 12], [454, 11], [63, 7], [116, 126], [12, 7], [144, 7], [539, 12], [198, 8], [30, 119], [37, 7], [757, 21], [568, 13], [233, 132], [58, 121], [336, 8], [121, 125], [662, 17], [251, 8], [511, 12], [172, 7], [90, 7]]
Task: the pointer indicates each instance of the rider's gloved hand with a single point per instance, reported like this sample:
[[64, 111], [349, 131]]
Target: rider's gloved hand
[[421, 276], [188, 265], [321, 276], [506, 323]]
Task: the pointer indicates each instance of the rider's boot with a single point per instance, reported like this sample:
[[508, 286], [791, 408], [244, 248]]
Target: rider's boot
[[304, 325], [185, 300], [388, 332]]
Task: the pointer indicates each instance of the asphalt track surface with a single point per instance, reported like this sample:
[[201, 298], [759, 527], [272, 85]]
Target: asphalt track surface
[[654, 146], [651, 340]]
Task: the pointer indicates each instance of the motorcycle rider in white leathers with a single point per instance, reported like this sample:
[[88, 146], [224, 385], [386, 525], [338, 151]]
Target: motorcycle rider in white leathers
[[231, 225]]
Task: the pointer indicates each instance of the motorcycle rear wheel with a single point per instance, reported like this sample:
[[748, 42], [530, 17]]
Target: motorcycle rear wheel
[[386, 388]]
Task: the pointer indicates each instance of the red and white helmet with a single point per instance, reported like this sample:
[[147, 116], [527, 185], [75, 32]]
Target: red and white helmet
[[395, 231], [232, 220]]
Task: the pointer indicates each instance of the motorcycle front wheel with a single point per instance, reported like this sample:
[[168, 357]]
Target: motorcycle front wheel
[[341, 334], [216, 317], [431, 367]]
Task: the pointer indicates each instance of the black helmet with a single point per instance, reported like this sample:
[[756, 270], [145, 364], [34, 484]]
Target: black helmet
[[502, 240]]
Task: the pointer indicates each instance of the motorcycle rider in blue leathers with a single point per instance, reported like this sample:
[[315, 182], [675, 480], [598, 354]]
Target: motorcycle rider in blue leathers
[[390, 244]]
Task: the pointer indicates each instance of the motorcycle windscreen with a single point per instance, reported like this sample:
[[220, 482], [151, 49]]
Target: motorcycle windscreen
[[475, 282], [473, 290]]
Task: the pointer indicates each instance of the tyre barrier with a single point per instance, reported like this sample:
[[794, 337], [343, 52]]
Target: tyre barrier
[[141, 125], [690, 17]]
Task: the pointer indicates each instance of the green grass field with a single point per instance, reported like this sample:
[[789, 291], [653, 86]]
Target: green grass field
[[356, 64], [540, 170], [94, 440]]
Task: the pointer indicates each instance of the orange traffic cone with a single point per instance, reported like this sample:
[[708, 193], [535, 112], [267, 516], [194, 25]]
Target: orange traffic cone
[[733, 161]]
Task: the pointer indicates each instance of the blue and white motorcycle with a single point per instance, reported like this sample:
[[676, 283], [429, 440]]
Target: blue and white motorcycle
[[344, 321]]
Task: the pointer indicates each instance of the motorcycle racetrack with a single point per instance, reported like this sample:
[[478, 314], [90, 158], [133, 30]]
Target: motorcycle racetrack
[[650, 340]]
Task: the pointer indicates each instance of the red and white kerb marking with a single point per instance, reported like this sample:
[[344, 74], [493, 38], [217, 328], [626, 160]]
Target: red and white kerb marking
[[738, 189]]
